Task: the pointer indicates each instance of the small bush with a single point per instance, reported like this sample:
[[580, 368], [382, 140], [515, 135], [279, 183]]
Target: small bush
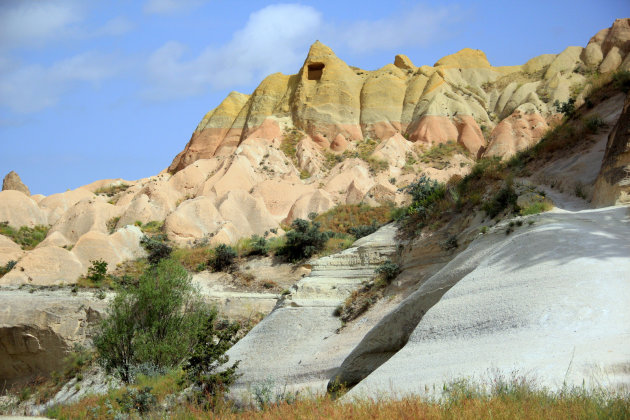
[[566, 108], [112, 190], [621, 80], [593, 124], [157, 249], [388, 271], [258, 245], [139, 400], [424, 194], [363, 230], [97, 272], [111, 224], [303, 241], [223, 259], [450, 243], [4, 269], [504, 199]]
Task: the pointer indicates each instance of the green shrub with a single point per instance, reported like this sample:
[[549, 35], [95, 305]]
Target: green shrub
[[258, 245], [208, 355], [139, 400], [27, 237], [505, 198], [593, 123], [388, 271], [97, 272], [566, 108], [4, 269], [157, 249], [536, 208], [621, 80], [303, 241], [424, 194], [364, 230], [223, 258], [156, 322]]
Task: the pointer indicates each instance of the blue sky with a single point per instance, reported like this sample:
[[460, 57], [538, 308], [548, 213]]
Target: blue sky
[[109, 89]]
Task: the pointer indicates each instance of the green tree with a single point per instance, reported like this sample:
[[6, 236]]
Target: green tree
[[155, 322], [207, 365]]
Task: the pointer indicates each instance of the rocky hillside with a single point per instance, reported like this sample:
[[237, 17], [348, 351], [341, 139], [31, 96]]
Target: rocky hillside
[[335, 134]]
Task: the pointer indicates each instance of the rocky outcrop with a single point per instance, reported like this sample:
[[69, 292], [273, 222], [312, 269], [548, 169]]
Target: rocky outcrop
[[613, 183], [301, 329], [12, 181], [336, 105], [37, 331], [491, 311]]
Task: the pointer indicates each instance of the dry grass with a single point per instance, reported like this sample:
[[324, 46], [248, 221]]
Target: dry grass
[[345, 216], [111, 190], [516, 404], [193, 259], [439, 156]]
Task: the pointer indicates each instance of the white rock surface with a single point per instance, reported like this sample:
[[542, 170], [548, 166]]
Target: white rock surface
[[296, 344], [548, 301]]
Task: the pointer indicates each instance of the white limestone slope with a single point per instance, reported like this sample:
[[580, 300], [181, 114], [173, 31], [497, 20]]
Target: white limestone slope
[[296, 344], [548, 302]]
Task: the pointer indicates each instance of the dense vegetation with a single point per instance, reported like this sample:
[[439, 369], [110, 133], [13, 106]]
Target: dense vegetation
[[27, 237]]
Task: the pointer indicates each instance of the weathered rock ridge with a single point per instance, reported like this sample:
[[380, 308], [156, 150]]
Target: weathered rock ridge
[[457, 99]]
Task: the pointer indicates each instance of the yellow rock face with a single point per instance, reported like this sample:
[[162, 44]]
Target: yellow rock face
[[335, 104]]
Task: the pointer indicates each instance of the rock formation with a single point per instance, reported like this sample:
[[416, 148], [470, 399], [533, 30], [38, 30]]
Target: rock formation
[[38, 331], [613, 182], [12, 181]]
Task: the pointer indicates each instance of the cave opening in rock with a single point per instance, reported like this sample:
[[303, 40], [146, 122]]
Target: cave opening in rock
[[315, 71]]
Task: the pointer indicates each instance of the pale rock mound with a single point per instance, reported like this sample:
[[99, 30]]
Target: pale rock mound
[[20, 210], [57, 204], [46, 266], [9, 250], [517, 132], [12, 181], [86, 215], [317, 201], [121, 246]]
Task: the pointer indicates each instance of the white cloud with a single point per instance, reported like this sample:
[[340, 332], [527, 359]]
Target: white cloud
[[26, 89], [169, 6], [27, 23], [417, 26], [114, 27], [274, 39]]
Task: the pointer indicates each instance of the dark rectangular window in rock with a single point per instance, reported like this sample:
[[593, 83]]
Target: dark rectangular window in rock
[[315, 71]]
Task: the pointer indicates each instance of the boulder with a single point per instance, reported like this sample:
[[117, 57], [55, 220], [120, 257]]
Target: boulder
[[12, 181]]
